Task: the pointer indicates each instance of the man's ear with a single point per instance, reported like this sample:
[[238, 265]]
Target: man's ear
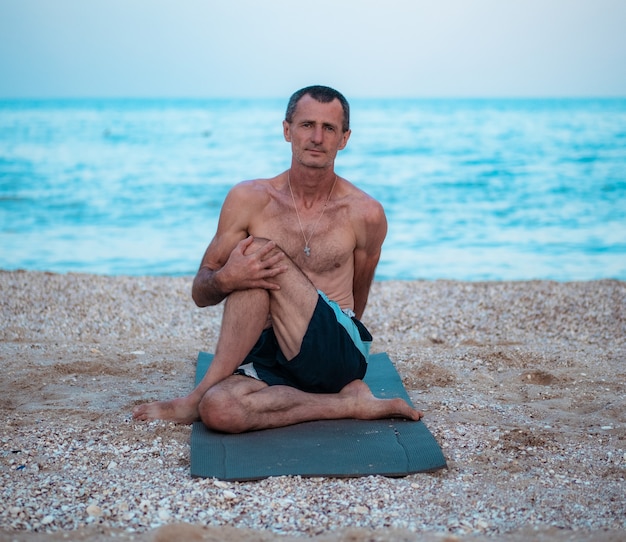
[[286, 131], [344, 142]]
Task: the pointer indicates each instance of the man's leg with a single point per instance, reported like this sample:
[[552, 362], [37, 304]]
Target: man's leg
[[245, 316], [240, 404]]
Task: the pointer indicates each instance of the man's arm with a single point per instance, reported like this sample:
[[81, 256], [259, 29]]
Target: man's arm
[[241, 271], [370, 236], [207, 289], [226, 266]]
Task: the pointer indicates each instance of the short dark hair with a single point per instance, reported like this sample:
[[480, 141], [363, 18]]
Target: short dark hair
[[323, 95]]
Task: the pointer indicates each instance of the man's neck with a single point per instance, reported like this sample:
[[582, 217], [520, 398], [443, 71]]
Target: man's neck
[[311, 183]]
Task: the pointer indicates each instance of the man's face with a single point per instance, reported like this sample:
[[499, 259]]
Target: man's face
[[315, 132]]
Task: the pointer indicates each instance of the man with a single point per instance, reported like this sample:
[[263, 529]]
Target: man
[[284, 248]]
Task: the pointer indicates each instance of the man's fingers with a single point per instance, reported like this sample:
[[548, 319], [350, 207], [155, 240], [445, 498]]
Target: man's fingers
[[271, 273], [273, 260], [264, 285], [271, 286], [266, 249], [245, 243], [278, 270], [270, 260]]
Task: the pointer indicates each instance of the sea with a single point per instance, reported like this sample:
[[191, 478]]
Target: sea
[[473, 189]]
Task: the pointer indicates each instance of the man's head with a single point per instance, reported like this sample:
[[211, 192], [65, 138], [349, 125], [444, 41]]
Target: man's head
[[323, 95]]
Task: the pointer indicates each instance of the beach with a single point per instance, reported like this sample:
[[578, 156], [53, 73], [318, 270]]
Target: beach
[[523, 385]]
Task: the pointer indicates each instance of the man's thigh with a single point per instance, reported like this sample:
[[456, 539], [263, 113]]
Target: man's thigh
[[329, 358], [292, 306]]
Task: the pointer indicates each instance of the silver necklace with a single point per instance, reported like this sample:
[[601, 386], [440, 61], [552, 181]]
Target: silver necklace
[[307, 248]]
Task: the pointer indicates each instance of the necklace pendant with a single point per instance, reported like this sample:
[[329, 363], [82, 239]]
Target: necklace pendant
[[307, 250]]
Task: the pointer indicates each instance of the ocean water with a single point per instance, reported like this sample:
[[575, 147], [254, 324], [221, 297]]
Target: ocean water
[[473, 189]]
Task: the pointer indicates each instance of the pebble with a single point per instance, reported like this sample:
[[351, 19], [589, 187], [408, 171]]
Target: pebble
[[94, 510], [164, 515]]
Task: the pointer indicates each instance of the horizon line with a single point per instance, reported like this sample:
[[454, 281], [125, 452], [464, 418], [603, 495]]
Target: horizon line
[[352, 97]]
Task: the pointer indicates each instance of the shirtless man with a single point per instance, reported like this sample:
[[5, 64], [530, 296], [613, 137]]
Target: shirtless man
[[283, 248]]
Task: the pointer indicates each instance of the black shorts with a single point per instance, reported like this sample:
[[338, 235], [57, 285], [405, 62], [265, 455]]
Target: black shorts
[[334, 353]]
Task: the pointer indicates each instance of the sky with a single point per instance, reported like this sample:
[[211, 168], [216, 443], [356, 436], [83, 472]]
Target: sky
[[269, 48]]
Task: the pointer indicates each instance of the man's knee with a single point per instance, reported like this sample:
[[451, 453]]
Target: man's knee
[[258, 243], [292, 266], [221, 411]]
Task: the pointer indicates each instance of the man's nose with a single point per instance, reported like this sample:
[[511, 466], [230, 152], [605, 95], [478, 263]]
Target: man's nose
[[318, 134]]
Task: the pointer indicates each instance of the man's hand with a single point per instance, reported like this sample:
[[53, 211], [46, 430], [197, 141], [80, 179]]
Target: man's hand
[[247, 268]]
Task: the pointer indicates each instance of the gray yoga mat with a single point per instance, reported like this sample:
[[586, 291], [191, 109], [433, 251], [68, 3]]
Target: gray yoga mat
[[337, 448]]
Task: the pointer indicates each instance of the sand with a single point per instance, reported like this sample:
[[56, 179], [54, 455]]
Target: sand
[[523, 385]]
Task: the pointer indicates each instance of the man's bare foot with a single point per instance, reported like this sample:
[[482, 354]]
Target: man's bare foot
[[179, 410], [368, 407]]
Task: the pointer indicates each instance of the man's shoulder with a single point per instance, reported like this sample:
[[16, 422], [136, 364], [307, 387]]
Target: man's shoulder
[[251, 189], [252, 184], [361, 201], [353, 190]]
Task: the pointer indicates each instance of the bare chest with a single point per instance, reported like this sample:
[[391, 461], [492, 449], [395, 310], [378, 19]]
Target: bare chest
[[321, 244]]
